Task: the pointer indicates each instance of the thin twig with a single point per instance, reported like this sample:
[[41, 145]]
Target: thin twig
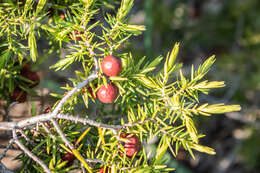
[[47, 117], [73, 91], [63, 137], [88, 121], [29, 153], [94, 161], [6, 149], [10, 148], [9, 109], [24, 135], [47, 130], [68, 143]]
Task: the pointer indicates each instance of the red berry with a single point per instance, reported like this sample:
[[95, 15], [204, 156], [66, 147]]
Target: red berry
[[19, 95], [47, 110], [107, 94], [102, 170], [132, 146], [62, 16], [111, 66], [26, 68], [76, 33], [33, 76], [68, 157]]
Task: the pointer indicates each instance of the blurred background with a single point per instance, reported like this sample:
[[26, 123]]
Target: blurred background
[[229, 29]]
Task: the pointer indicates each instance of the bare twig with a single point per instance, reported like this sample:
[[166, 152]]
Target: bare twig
[[88, 121], [6, 149], [59, 107], [44, 117], [94, 161], [29, 153], [9, 109], [63, 137], [73, 91], [10, 148], [47, 117], [24, 135], [47, 130]]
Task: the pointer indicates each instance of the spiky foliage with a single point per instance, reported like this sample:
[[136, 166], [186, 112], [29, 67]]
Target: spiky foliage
[[153, 102]]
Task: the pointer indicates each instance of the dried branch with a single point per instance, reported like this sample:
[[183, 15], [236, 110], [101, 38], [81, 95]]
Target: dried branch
[[63, 137], [9, 109], [6, 149], [72, 92], [24, 135], [48, 117], [48, 131], [29, 153], [41, 118], [94, 161]]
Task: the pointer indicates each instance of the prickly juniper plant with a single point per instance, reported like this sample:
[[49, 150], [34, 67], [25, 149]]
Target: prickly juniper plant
[[149, 102]]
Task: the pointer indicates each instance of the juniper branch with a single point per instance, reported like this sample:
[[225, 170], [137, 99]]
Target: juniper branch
[[72, 92], [48, 117], [63, 137]]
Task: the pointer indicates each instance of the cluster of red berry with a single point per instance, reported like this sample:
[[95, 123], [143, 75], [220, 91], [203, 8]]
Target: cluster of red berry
[[19, 94], [111, 66]]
